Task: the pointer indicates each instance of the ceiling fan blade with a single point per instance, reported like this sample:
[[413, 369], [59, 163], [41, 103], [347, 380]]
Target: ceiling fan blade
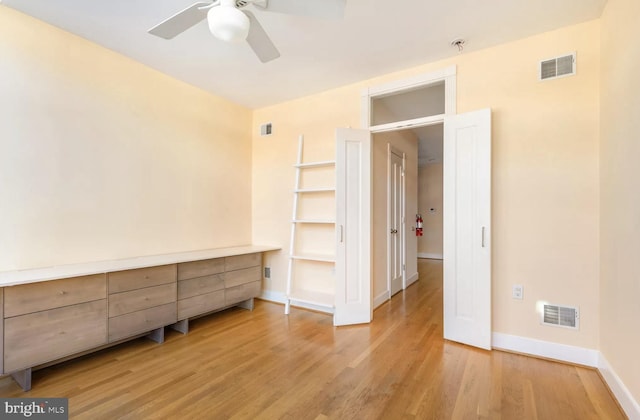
[[328, 9], [259, 40], [181, 21]]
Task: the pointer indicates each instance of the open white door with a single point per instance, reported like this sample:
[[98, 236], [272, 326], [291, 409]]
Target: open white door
[[467, 227], [353, 227]]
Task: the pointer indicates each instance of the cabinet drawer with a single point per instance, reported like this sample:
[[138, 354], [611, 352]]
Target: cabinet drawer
[[1, 333], [36, 297], [242, 261], [122, 281], [41, 337], [141, 321], [238, 277], [243, 292], [200, 304], [202, 268], [200, 285], [137, 300]]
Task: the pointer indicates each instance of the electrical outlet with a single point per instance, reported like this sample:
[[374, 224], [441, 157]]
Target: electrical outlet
[[517, 292]]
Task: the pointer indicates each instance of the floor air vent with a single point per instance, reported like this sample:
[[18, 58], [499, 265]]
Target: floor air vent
[[558, 67], [560, 316]]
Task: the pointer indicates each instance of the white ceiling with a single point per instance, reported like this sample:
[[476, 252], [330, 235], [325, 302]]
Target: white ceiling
[[430, 144], [376, 37]]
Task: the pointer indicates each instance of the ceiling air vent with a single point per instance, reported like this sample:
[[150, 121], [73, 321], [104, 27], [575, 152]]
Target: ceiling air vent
[[560, 316], [558, 67]]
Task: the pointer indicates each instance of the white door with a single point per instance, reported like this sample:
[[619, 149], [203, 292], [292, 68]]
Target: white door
[[467, 227], [395, 213], [353, 304]]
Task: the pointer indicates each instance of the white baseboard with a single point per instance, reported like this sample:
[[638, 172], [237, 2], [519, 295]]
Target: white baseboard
[[430, 256], [412, 279], [380, 299], [624, 397], [547, 349], [572, 354], [271, 296], [279, 297]]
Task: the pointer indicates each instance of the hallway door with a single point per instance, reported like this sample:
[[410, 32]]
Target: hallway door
[[467, 227]]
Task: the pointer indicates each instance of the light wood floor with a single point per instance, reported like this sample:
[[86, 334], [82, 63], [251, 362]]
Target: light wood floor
[[262, 364]]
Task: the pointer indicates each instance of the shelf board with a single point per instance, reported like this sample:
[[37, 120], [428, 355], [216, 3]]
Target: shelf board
[[311, 257], [319, 221], [315, 164], [325, 300], [314, 190]]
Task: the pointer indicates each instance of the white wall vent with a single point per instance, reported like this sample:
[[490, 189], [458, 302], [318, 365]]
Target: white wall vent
[[266, 129], [560, 316], [554, 68]]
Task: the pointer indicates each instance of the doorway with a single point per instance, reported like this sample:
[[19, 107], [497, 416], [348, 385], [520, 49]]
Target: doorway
[[430, 191], [402, 117], [467, 155]]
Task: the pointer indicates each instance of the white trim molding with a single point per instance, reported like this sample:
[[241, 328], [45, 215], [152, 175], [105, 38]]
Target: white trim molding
[[621, 392], [412, 279], [546, 349], [430, 256], [279, 297], [271, 296], [448, 75], [381, 298]]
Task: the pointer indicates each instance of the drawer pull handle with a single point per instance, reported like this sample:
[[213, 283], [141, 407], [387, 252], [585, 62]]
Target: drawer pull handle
[[146, 277], [62, 292]]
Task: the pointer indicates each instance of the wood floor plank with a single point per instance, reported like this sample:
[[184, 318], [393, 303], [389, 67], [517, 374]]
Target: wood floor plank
[[264, 365]]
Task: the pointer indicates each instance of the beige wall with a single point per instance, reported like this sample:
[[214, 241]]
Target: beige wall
[[545, 172], [407, 143], [620, 184], [105, 158], [316, 118], [430, 189]]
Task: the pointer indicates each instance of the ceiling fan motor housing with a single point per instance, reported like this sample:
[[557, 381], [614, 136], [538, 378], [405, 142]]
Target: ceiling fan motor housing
[[227, 23]]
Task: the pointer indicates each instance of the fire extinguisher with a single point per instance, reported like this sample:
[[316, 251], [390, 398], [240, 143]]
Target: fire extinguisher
[[418, 225]]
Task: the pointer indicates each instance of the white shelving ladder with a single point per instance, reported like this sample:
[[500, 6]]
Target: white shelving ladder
[[321, 301]]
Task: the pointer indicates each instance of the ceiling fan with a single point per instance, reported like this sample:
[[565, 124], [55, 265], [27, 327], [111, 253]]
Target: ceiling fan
[[230, 21]]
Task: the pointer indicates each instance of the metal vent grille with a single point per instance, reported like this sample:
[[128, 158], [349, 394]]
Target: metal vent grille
[[560, 316], [558, 67]]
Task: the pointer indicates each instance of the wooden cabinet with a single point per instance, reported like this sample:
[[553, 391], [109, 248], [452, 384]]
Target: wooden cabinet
[[200, 287], [210, 285], [141, 321], [122, 281], [141, 300], [2, 331], [242, 284], [44, 336], [36, 297], [48, 321]]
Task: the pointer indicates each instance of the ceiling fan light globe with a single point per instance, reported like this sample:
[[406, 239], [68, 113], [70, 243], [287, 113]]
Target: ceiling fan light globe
[[228, 23]]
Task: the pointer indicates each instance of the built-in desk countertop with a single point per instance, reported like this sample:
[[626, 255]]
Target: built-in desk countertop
[[16, 277]]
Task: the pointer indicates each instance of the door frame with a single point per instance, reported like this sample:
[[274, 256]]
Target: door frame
[[392, 150], [445, 75]]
